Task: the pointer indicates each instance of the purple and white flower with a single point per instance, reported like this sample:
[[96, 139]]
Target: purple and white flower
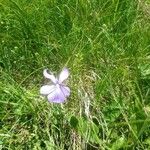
[[56, 92]]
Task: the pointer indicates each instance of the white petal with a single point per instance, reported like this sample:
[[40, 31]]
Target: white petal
[[65, 90], [47, 89], [63, 75], [56, 96], [49, 76]]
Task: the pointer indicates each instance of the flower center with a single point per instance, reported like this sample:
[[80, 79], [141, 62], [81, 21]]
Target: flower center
[[57, 85]]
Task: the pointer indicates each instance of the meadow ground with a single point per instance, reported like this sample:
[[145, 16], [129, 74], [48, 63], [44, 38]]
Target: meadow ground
[[106, 46]]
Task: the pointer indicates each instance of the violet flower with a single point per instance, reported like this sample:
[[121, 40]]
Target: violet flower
[[57, 92]]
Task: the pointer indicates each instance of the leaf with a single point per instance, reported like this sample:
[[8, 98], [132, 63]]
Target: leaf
[[112, 112], [88, 130], [50, 144], [93, 136], [119, 143], [145, 70], [147, 141], [74, 121]]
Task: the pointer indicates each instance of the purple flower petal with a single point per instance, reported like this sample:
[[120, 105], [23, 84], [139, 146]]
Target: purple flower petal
[[56, 96], [49, 76], [46, 89], [65, 90], [63, 75]]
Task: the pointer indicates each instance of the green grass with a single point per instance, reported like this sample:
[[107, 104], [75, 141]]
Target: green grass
[[106, 46]]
